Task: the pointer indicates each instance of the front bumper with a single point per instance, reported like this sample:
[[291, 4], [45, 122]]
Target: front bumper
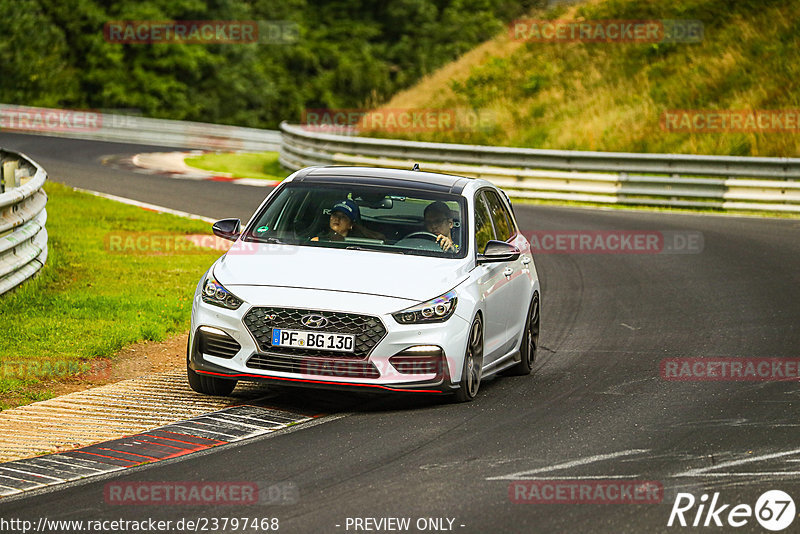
[[324, 371], [441, 385]]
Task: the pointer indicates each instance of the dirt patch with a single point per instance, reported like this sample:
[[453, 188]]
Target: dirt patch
[[137, 360]]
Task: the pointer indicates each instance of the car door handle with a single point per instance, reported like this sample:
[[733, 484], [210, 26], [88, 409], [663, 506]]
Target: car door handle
[[509, 271], [525, 260]]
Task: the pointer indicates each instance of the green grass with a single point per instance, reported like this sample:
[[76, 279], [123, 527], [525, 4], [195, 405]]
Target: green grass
[[611, 96], [263, 165], [92, 299]]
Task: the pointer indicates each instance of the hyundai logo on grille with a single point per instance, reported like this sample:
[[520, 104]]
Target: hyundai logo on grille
[[314, 321]]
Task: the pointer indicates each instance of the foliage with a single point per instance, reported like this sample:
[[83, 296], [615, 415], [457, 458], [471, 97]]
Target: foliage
[[349, 54]]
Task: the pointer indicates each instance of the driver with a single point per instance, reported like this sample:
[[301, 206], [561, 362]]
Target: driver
[[439, 221]]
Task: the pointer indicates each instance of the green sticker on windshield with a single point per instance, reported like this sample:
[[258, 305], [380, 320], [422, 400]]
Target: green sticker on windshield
[[262, 229]]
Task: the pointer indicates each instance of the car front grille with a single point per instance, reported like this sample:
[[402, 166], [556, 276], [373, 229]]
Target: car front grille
[[368, 330], [338, 368]]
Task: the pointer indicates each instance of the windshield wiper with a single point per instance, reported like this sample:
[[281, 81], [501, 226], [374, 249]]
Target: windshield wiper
[[354, 247]]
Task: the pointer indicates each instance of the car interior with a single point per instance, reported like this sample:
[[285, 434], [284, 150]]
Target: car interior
[[384, 219]]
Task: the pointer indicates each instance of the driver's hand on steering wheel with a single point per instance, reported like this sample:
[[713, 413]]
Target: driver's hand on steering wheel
[[445, 242]]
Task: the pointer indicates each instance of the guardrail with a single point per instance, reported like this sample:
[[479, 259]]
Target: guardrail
[[670, 180], [97, 126], [23, 237]]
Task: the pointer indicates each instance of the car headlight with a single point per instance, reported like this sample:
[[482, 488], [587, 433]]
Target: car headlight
[[214, 293], [433, 311]]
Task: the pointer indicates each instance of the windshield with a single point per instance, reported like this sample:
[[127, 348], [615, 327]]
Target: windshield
[[363, 218]]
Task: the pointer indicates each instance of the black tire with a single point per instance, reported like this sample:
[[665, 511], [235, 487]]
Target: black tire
[[208, 385], [530, 341], [473, 363]]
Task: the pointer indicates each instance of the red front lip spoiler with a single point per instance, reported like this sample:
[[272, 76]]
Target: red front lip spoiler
[[319, 382]]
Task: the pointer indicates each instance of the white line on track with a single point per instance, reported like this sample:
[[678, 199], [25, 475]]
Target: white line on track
[[145, 205], [704, 471], [522, 475]]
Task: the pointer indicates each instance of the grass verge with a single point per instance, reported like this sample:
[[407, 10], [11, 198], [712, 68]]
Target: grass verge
[[115, 275], [612, 96], [262, 165]]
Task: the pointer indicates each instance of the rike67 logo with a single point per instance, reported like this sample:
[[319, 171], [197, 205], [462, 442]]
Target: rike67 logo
[[774, 510]]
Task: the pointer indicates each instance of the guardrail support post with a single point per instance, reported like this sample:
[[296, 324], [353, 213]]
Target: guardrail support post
[[10, 178]]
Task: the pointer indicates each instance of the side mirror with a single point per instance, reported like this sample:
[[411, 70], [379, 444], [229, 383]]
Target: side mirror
[[498, 251], [227, 229]]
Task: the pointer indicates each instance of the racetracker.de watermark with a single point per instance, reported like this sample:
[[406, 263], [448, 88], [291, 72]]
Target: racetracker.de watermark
[[606, 31], [49, 120], [193, 493], [160, 244], [615, 242], [201, 32], [408, 120], [157, 243], [731, 121], [585, 492], [731, 369], [399, 367], [397, 120], [55, 369]]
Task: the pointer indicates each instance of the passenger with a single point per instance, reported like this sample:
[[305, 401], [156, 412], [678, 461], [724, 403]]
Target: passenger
[[344, 222], [439, 221], [343, 215]]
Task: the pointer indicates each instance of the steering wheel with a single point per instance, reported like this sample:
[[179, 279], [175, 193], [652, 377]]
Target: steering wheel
[[426, 235]]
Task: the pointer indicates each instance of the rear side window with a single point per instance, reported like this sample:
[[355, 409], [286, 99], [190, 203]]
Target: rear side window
[[500, 216], [483, 224]]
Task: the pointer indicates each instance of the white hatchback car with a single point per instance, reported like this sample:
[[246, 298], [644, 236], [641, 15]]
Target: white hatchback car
[[370, 279]]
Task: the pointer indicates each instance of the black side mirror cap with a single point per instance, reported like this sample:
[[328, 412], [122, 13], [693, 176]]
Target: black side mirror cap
[[229, 229], [498, 251]]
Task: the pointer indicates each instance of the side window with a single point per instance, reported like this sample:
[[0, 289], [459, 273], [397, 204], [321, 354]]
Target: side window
[[483, 224], [500, 216]]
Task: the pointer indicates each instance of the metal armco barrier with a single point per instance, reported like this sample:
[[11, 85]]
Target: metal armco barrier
[[96, 126], [670, 180], [23, 237]]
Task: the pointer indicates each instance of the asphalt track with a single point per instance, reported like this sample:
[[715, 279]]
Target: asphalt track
[[597, 406]]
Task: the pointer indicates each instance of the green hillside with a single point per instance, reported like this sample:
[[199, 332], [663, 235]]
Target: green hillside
[[612, 96]]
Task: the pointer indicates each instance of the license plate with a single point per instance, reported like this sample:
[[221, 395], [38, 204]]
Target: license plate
[[303, 339]]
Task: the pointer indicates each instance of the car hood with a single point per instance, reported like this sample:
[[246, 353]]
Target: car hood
[[416, 278]]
